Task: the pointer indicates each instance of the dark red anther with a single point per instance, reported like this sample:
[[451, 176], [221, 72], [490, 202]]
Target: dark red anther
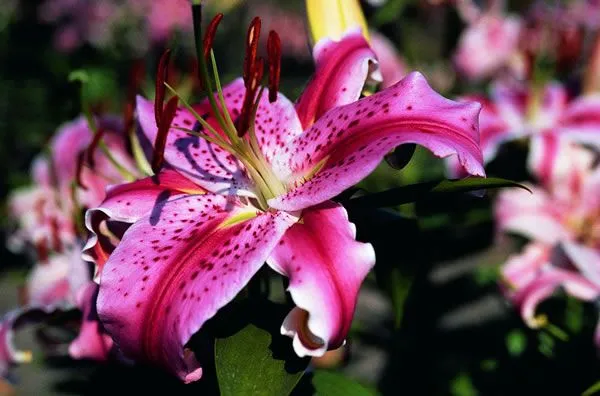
[[274, 54], [136, 75], [252, 85], [79, 170], [251, 48], [209, 36], [91, 150], [161, 76], [158, 157]]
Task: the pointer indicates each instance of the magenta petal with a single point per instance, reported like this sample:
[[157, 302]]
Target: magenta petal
[[91, 342], [561, 166], [174, 269], [326, 267], [129, 202], [350, 141], [393, 67], [204, 163], [534, 215], [487, 45], [544, 286], [342, 68], [69, 141], [585, 259], [581, 120], [493, 131], [276, 124], [522, 269], [48, 283]]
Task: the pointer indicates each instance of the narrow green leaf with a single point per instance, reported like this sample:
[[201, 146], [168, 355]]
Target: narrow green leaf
[[330, 383], [592, 390], [415, 192]]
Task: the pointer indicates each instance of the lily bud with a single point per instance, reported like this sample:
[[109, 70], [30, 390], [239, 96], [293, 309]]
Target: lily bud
[[332, 18]]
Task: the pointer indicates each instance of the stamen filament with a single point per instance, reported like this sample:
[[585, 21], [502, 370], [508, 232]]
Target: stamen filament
[[233, 134], [197, 116], [204, 74]]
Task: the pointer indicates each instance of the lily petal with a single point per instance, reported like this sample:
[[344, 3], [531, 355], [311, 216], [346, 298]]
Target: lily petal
[[9, 354], [392, 65], [206, 164], [493, 131], [326, 267], [127, 203], [48, 283], [523, 268], [342, 68], [348, 143], [580, 122], [586, 259], [534, 215], [91, 342], [174, 269], [561, 166], [545, 285]]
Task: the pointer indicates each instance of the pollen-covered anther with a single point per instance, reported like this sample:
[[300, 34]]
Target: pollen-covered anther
[[274, 58], [209, 36], [91, 150], [162, 75], [158, 157]]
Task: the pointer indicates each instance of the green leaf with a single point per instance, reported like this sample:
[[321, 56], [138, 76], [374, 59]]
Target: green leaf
[[516, 342], [257, 360], [592, 390], [462, 385], [389, 12], [329, 383], [415, 192]]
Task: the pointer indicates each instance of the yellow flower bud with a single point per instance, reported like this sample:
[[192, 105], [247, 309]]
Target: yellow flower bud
[[332, 18]]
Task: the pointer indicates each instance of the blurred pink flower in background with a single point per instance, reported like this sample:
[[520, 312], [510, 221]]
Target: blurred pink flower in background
[[489, 44], [515, 110], [104, 23], [72, 177], [288, 24], [561, 218]]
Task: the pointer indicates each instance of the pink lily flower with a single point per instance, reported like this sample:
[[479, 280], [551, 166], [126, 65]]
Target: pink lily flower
[[561, 219], [203, 226], [489, 44], [392, 66], [46, 212], [515, 111]]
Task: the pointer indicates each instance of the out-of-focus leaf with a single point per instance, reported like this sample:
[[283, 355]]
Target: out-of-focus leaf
[[463, 386], [592, 390], [516, 342], [401, 156], [329, 383], [574, 315], [389, 12], [415, 192], [256, 360]]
